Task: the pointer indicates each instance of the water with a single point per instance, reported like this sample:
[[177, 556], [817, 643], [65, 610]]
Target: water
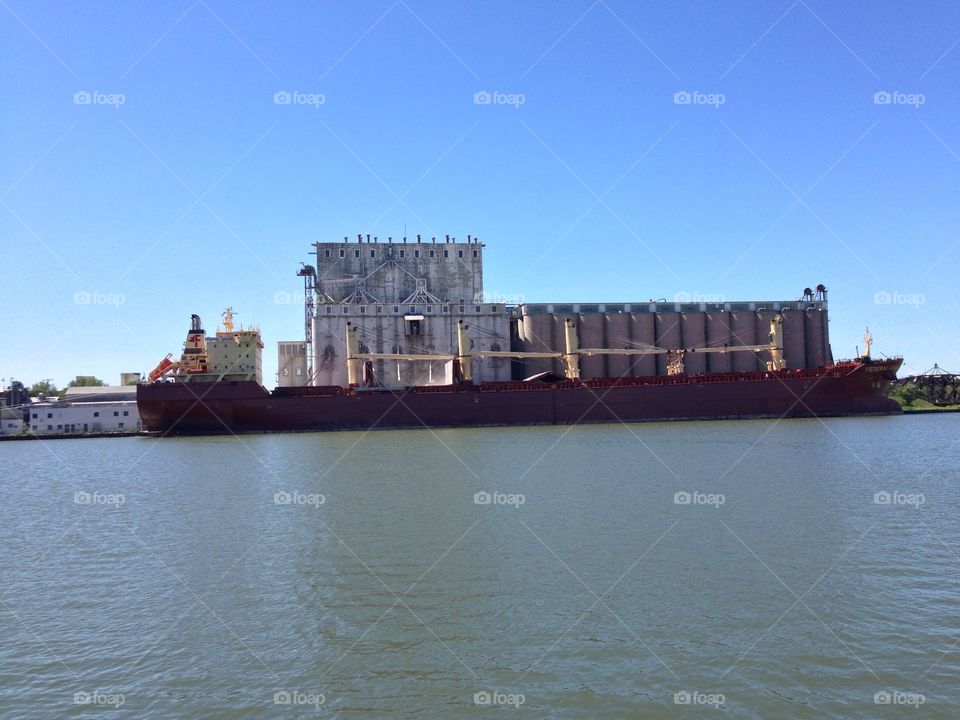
[[161, 578]]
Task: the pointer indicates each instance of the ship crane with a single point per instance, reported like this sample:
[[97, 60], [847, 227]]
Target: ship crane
[[571, 358]]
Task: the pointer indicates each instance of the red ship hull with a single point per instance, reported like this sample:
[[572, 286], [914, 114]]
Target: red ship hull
[[844, 389]]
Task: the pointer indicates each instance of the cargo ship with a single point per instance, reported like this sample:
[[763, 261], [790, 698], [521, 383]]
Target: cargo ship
[[215, 388]]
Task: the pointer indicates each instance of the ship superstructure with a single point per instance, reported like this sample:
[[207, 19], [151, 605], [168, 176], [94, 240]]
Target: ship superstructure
[[233, 353]]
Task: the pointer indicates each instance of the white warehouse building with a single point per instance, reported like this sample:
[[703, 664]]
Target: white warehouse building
[[87, 417]]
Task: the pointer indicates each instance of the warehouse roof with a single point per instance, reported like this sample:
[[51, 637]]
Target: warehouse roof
[[103, 393]]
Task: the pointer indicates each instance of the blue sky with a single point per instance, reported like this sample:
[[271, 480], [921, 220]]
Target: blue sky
[[631, 151]]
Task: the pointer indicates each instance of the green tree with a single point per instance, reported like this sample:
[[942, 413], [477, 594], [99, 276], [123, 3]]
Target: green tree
[[906, 394], [47, 387], [87, 381]]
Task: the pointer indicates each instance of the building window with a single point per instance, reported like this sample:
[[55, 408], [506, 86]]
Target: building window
[[116, 413], [379, 308], [432, 254], [119, 425], [326, 253], [329, 310], [126, 413], [299, 371], [396, 308], [413, 327], [413, 309], [402, 253], [356, 253], [34, 416], [476, 254], [446, 308], [49, 427], [430, 308], [49, 415], [363, 310], [373, 253], [446, 253], [345, 310], [478, 309], [493, 308], [416, 253], [97, 414], [342, 252], [460, 253]]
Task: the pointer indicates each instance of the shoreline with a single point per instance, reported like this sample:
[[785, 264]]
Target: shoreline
[[72, 436]]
